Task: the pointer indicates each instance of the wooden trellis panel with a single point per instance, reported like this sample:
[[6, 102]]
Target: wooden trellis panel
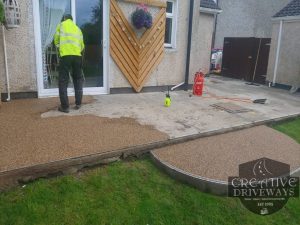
[[135, 57], [159, 3]]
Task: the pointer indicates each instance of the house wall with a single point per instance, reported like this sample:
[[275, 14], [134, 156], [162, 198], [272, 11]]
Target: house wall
[[251, 18], [289, 57], [20, 54], [201, 43], [171, 71], [22, 62]]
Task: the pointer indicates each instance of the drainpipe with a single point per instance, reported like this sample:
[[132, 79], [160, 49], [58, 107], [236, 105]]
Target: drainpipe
[[188, 57], [215, 27], [6, 66], [214, 32], [277, 53]]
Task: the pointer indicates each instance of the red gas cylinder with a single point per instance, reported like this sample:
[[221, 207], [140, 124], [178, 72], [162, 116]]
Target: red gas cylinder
[[198, 84]]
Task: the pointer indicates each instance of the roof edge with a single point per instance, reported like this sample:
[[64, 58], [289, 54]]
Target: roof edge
[[210, 11], [286, 18]]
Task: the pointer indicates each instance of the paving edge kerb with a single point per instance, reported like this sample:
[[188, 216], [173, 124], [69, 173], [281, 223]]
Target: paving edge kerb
[[19, 176], [216, 187], [204, 184]]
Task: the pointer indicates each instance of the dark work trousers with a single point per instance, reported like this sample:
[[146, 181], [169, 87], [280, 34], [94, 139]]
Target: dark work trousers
[[72, 65]]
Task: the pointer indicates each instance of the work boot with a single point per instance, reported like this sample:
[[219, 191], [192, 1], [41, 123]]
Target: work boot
[[77, 107], [64, 110]]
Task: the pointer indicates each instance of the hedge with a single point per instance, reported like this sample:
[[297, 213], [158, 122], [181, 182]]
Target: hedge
[[1, 12]]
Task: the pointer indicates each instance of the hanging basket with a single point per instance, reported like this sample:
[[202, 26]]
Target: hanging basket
[[12, 13], [141, 17]]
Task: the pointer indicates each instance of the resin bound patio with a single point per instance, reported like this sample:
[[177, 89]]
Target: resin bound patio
[[207, 163], [33, 132]]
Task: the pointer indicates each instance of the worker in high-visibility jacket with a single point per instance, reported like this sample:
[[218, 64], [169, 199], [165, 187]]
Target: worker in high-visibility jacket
[[69, 40]]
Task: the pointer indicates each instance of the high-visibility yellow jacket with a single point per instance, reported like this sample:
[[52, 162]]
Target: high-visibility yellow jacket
[[69, 39]]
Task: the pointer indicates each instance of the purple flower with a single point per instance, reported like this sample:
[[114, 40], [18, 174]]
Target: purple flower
[[142, 18], [148, 21], [138, 18]]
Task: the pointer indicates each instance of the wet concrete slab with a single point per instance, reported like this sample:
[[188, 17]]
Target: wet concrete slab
[[190, 115]]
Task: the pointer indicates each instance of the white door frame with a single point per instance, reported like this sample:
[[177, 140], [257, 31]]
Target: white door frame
[[42, 92]]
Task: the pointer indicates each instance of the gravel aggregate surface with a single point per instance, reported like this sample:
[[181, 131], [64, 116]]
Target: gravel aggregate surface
[[218, 157], [26, 139]]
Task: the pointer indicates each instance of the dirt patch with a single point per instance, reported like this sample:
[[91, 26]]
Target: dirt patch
[[26, 139], [218, 157]]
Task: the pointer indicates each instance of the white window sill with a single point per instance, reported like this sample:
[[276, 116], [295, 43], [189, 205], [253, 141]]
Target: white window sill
[[171, 50]]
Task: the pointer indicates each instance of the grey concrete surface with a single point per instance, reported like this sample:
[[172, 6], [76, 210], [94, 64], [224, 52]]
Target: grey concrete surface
[[193, 115]]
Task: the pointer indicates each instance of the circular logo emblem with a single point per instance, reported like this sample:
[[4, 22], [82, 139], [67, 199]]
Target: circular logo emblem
[[264, 186]]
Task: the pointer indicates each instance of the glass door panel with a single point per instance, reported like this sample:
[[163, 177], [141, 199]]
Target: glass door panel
[[89, 18], [51, 13]]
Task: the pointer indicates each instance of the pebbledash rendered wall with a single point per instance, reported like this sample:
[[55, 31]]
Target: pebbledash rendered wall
[[21, 54], [289, 57], [22, 63], [171, 70], [246, 18]]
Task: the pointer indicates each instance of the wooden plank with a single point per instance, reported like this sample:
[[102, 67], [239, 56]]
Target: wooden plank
[[124, 56], [158, 61], [146, 72], [155, 41], [154, 54], [160, 16], [126, 46], [118, 32], [151, 41], [124, 71], [136, 63], [154, 47], [123, 60], [116, 9], [158, 3], [123, 65]]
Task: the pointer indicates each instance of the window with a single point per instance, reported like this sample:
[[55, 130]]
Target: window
[[170, 36]]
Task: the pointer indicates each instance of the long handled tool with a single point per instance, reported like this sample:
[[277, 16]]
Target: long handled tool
[[6, 66], [255, 68]]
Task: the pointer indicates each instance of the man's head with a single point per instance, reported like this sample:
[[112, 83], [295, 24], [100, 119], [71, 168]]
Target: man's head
[[67, 17]]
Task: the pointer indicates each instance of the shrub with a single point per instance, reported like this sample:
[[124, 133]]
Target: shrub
[[2, 18]]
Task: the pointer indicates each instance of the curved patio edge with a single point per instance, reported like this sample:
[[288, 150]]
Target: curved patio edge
[[215, 187], [204, 184], [296, 173]]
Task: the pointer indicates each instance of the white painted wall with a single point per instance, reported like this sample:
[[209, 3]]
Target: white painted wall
[[288, 72]]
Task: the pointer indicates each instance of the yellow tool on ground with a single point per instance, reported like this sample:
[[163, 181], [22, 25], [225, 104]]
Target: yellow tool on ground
[[168, 98]]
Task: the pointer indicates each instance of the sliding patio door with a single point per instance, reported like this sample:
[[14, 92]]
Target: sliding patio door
[[92, 18]]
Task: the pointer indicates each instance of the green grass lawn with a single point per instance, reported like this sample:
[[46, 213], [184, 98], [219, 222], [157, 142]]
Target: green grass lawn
[[133, 193], [291, 128]]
